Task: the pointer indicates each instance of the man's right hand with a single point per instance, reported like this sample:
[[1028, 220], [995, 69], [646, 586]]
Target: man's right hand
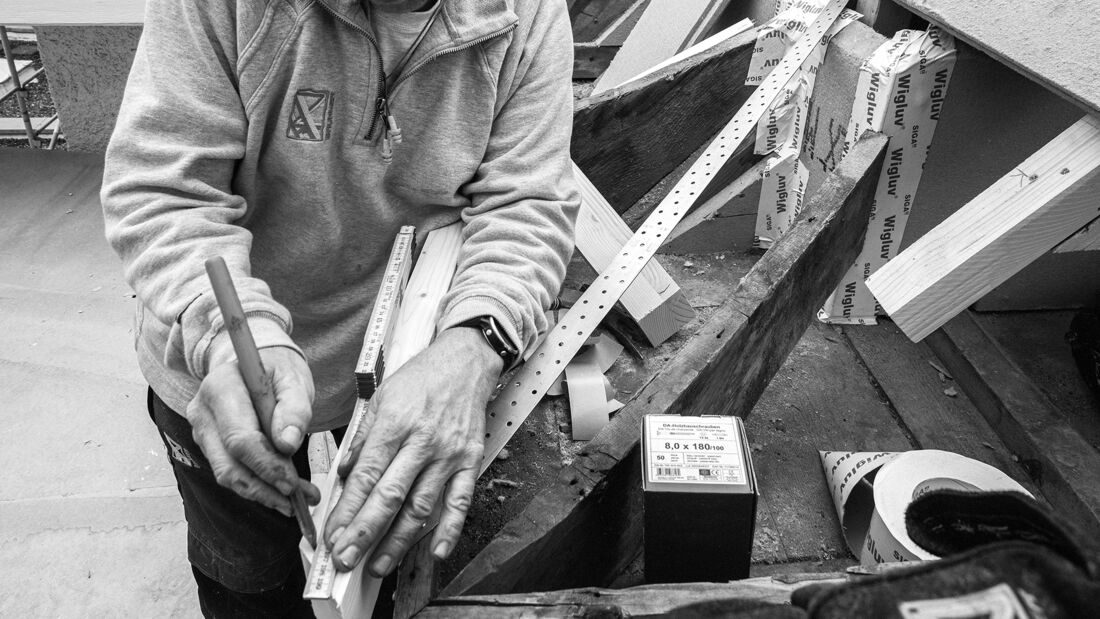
[[225, 425]]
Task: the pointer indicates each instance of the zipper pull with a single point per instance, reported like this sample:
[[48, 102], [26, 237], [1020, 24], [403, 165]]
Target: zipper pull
[[387, 149], [392, 129], [391, 133]]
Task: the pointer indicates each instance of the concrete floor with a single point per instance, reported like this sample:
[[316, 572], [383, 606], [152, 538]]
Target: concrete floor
[[90, 520]]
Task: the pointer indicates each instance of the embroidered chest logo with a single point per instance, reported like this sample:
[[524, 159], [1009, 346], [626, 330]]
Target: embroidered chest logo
[[310, 116]]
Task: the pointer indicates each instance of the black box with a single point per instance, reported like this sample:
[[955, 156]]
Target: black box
[[699, 492]]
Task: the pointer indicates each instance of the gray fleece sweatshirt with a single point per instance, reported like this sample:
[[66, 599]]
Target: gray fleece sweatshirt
[[250, 130]]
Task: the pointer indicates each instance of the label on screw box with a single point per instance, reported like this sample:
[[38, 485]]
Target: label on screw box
[[694, 450]]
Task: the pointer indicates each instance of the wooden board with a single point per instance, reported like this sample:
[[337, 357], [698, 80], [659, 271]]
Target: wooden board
[[87, 69], [23, 68], [416, 580], [916, 390], [591, 18], [616, 33], [355, 592], [885, 16], [1036, 343], [1023, 215], [665, 28], [1051, 42], [653, 300], [833, 406], [591, 59], [648, 600], [992, 119], [580, 530], [13, 126], [1065, 467], [64, 13], [626, 140]]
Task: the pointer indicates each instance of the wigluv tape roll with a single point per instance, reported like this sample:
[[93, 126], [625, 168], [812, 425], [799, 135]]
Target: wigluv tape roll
[[876, 530]]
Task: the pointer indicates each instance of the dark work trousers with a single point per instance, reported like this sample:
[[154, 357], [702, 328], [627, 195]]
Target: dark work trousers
[[244, 555]]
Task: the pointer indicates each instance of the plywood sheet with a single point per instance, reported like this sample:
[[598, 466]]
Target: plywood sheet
[[1050, 41]]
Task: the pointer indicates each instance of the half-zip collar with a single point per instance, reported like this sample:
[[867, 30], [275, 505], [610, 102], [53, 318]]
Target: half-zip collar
[[462, 22], [460, 25]]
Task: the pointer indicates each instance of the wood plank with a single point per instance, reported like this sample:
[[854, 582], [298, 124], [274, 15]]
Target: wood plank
[[590, 60], [1065, 467], [1051, 43], [616, 33], [1016, 220], [64, 13], [905, 373], [1085, 239], [13, 126], [1036, 342], [23, 68], [649, 600], [628, 139], [885, 16], [580, 530], [665, 28], [354, 592], [591, 18], [428, 284], [653, 300], [820, 399], [417, 581]]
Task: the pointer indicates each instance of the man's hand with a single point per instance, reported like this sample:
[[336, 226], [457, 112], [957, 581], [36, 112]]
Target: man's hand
[[425, 442], [226, 427]]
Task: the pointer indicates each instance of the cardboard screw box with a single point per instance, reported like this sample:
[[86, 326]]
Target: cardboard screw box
[[699, 492]]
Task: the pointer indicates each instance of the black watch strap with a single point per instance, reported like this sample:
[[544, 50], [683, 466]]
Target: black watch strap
[[496, 338]]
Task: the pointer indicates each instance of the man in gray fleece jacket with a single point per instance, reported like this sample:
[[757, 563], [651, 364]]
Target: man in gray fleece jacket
[[264, 131]]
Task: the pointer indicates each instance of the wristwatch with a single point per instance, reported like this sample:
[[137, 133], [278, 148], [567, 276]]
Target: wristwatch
[[496, 338]]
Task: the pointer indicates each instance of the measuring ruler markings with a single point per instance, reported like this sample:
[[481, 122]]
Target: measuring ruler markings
[[522, 393], [322, 573], [368, 371]]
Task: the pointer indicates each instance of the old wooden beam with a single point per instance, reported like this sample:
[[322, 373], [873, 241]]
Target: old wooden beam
[[591, 18], [590, 60], [627, 139], [417, 581], [1064, 466], [582, 530], [649, 600]]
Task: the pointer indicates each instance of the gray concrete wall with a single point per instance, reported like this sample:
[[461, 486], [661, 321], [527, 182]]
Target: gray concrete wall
[[87, 68]]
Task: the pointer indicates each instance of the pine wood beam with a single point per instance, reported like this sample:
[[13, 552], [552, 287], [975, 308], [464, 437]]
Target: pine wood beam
[[1028, 211], [583, 529], [654, 300]]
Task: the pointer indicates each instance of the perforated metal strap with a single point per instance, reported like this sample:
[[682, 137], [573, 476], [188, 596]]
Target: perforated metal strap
[[524, 391]]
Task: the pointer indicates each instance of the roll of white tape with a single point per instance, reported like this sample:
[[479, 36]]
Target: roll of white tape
[[907, 477]]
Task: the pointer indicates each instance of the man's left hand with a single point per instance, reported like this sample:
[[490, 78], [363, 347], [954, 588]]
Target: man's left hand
[[425, 442]]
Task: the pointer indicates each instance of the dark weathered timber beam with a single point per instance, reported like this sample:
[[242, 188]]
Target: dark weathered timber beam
[[584, 529], [590, 60], [1065, 467], [649, 600], [592, 17], [629, 138]]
